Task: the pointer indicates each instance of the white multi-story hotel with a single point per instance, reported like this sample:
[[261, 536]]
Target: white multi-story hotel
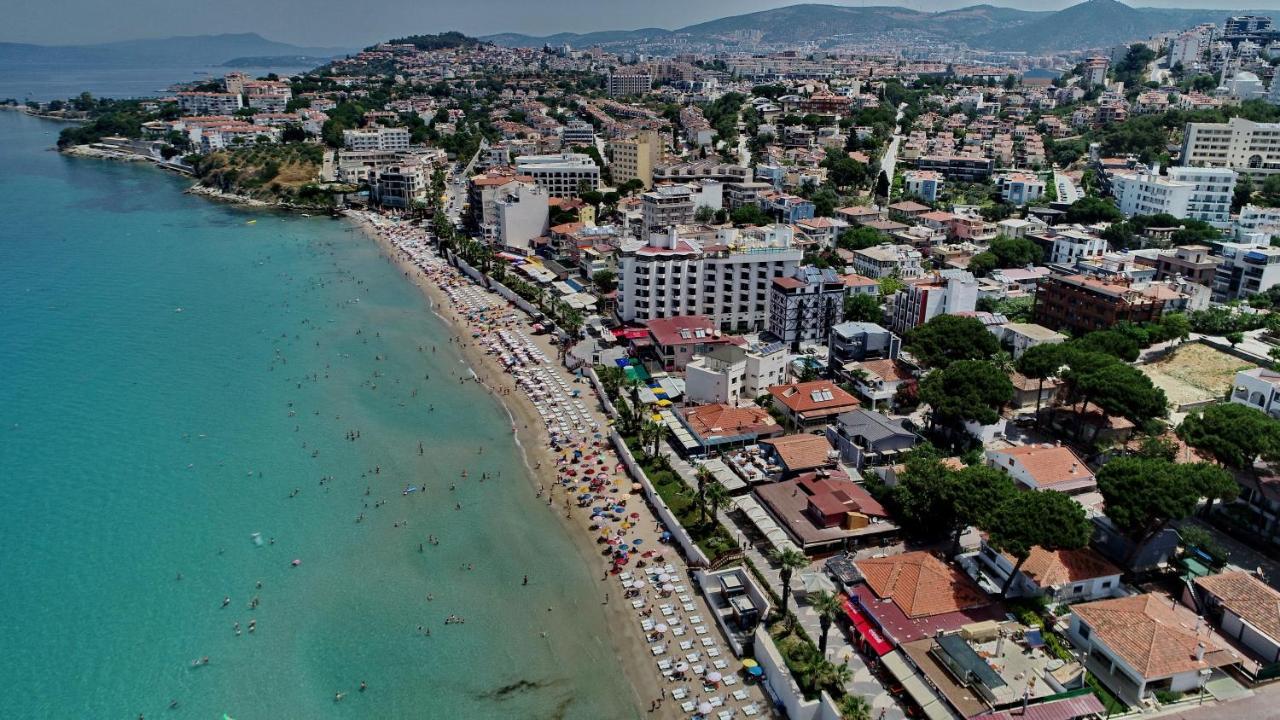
[[208, 103], [521, 215], [881, 261], [1198, 193], [1245, 146], [1254, 220], [563, 175], [726, 277], [400, 185], [729, 374], [668, 205], [388, 139]]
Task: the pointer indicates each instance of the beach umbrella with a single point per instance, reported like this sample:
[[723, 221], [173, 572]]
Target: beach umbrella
[[668, 587], [638, 541], [755, 671], [638, 584], [682, 666], [749, 663], [714, 677], [635, 515], [660, 627], [705, 708], [663, 578]]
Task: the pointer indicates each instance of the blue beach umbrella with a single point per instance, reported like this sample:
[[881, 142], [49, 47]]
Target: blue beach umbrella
[[755, 671]]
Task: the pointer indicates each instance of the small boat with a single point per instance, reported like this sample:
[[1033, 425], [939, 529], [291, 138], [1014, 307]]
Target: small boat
[[251, 222], [305, 215]]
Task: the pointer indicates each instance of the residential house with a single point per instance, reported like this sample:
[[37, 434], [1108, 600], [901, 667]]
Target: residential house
[[826, 511], [1058, 576], [1141, 644], [1244, 609], [1044, 467], [866, 438], [674, 341], [796, 454], [734, 374], [717, 426], [812, 404]]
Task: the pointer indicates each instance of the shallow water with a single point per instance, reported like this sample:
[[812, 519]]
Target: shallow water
[[170, 373]]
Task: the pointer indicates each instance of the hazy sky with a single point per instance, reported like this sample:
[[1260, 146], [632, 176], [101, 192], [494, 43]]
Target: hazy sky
[[351, 23]]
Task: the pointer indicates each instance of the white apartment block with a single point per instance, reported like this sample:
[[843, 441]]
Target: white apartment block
[[881, 261], [1020, 188], [1246, 269], [387, 139], [727, 278], [208, 103], [924, 184], [563, 175], [1243, 145], [1257, 222], [578, 132], [1070, 246], [628, 83], [731, 375], [267, 95], [948, 293], [1188, 192], [634, 158], [521, 215]]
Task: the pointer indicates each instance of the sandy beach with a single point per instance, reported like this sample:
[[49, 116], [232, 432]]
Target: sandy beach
[[633, 645]]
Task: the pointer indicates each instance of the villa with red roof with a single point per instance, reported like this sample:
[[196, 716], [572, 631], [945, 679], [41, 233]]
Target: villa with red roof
[[812, 404], [916, 595], [1045, 467]]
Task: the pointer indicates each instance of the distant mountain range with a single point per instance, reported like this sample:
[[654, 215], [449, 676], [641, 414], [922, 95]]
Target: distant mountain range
[[1095, 23], [184, 50]]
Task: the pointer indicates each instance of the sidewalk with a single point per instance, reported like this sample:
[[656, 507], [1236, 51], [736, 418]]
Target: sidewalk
[[839, 649]]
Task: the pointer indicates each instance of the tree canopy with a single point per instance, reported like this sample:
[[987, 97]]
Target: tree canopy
[[1026, 520], [966, 391], [948, 338], [1233, 434], [1142, 495]]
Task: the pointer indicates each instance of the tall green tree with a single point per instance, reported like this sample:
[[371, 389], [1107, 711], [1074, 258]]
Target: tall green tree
[[948, 338], [1143, 495], [863, 307], [829, 606], [788, 561], [966, 391], [1233, 434], [1048, 520], [1040, 362]]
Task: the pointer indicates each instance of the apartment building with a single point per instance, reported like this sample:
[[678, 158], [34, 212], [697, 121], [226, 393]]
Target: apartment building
[[1245, 270], [902, 261], [1095, 72], [966, 168], [484, 192], [805, 305], [619, 84], [924, 184], [563, 175], [1066, 247], [208, 103], [732, 374], [1245, 146], [521, 214], [1020, 188], [635, 158], [1197, 193], [726, 277], [1258, 388], [267, 95], [1257, 222], [400, 185], [386, 139], [1083, 304], [578, 132], [949, 292], [1191, 262], [668, 205]]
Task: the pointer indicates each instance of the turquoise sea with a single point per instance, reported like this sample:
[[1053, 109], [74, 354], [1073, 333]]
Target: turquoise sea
[[176, 378]]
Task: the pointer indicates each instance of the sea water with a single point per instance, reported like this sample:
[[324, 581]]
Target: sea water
[[181, 388]]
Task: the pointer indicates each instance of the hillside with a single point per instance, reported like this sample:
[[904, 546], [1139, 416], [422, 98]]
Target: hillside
[[183, 50], [276, 174], [1095, 23]]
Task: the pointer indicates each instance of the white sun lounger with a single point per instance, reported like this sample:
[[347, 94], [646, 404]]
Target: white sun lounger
[[740, 694]]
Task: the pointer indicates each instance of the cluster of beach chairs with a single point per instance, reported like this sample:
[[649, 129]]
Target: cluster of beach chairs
[[684, 647]]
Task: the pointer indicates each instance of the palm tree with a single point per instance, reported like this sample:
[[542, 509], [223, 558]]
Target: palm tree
[[704, 477], [717, 495], [855, 707], [788, 561], [828, 605], [827, 675], [651, 432]]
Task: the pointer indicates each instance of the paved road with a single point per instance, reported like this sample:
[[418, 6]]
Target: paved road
[[889, 161], [1066, 188], [1262, 706]]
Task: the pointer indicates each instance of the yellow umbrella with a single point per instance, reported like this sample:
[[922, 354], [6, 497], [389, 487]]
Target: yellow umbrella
[[749, 663]]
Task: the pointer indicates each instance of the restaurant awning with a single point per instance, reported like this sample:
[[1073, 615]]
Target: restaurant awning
[[865, 629], [934, 707]]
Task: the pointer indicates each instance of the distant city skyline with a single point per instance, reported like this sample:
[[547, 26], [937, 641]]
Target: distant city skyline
[[333, 23]]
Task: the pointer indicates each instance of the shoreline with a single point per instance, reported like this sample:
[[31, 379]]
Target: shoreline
[[533, 440]]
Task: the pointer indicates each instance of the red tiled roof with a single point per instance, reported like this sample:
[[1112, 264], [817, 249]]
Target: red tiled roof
[[1048, 465], [1154, 635], [920, 584], [1254, 601], [684, 330], [1063, 567], [801, 452], [726, 420], [807, 397]]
